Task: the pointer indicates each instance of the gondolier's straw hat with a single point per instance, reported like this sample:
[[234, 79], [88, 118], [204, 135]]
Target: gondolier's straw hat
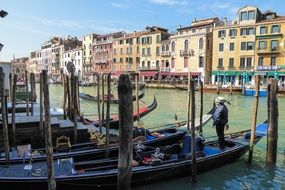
[[220, 99]]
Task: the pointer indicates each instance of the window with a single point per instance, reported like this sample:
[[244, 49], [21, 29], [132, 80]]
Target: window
[[262, 45], [231, 63], [137, 60], [243, 31], [275, 29], [251, 15], [260, 61], [185, 62], [121, 60], [232, 46], [201, 61], [138, 49], [221, 47], [274, 45], [186, 44], [273, 61], [114, 60], [173, 46], [138, 40], [201, 43], [243, 16], [157, 50], [121, 41], [243, 46], [149, 51], [158, 39], [250, 45], [251, 31], [249, 62], [167, 48], [131, 50], [222, 33], [163, 48], [172, 63], [121, 50], [143, 51], [263, 30], [220, 62], [233, 32], [242, 63]]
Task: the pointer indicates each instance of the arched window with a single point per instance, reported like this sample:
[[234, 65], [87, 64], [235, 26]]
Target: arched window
[[186, 44], [157, 64], [167, 64], [143, 65], [167, 48], [148, 64], [163, 48], [172, 63], [201, 43], [173, 46]]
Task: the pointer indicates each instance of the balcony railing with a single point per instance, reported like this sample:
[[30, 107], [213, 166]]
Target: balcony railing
[[148, 68], [231, 68], [165, 53], [164, 69], [101, 61], [220, 67], [186, 52], [268, 50]]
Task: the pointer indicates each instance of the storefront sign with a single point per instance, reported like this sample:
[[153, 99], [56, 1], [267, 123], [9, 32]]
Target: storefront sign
[[266, 68]]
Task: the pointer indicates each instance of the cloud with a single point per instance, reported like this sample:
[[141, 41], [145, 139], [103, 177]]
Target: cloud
[[167, 2], [118, 5]]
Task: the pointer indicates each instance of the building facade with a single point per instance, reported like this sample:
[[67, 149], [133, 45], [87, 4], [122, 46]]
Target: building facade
[[250, 43], [74, 56], [103, 52], [19, 66], [191, 49]]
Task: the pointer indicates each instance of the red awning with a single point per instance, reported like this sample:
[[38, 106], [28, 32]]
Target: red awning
[[179, 74], [148, 73]]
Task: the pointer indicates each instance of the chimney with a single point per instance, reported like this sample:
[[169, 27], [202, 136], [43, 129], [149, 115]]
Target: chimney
[[226, 21], [179, 26]]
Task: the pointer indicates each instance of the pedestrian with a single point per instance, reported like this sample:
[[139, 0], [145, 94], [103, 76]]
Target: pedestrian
[[220, 118]]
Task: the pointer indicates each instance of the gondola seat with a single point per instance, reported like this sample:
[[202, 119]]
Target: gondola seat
[[186, 146], [63, 144]]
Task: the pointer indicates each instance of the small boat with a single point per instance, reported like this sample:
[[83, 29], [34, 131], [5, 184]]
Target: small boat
[[250, 91], [113, 100], [147, 166]]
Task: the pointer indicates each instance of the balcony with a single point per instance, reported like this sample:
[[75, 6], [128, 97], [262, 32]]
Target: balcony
[[148, 68], [272, 50], [186, 52], [164, 69], [220, 67], [246, 68], [103, 42], [231, 68], [101, 61], [165, 53]]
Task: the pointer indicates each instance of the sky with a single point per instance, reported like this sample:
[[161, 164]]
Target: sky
[[30, 23]]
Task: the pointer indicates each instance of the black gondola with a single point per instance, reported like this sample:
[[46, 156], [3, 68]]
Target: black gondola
[[113, 100], [103, 173]]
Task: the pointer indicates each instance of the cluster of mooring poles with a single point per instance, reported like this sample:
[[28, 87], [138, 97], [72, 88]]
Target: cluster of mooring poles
[[272, 120]]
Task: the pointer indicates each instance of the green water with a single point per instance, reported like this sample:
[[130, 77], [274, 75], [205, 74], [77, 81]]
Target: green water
[[234, 176]]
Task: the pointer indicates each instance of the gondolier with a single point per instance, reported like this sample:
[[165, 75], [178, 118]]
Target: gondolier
[[220, 118]]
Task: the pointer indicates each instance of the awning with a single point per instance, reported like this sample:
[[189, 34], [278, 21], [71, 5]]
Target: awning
[[117, 73], [148, 73], [179, 74]]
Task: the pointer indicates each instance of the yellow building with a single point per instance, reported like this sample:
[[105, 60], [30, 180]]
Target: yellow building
[[87, 57], [126, 53], [191, 49], [252, 42], [150, 46]]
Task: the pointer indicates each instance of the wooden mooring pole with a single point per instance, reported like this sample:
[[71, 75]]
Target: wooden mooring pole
[[32, 82], [201, 107], [99, 102], [137, 97], [102, 98], [231, 86], [4, 116], [64, 96], [74, 105], [108, 114], [188, 102], [14, 109], [10, 86], [27, 92], [49, 149], [42, 133], [125, 133], [193, 138], [272, 137], [254, 118]]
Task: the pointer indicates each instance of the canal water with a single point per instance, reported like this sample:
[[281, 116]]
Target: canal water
[[234, 176]]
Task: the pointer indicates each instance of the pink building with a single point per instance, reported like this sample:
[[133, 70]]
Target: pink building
[[103, 52]]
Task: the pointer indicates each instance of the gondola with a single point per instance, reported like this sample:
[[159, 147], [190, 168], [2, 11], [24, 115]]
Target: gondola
[[146, 168], [113, 100], [28, 132]]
